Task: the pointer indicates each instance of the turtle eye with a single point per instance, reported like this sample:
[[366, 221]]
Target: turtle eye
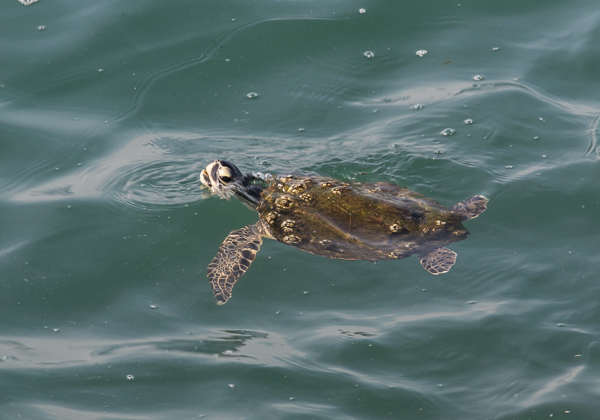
[[225, 175]]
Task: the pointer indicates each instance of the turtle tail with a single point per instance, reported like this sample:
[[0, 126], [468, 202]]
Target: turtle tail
[[471, 208]]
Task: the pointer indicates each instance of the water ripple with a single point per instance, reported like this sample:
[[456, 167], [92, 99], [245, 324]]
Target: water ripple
[[594, 146], [148, 171]]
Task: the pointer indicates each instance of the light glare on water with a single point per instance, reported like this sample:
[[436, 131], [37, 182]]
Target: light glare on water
[[111, 110]]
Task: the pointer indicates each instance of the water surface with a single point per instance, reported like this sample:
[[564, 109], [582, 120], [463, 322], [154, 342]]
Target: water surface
[[108, 112]]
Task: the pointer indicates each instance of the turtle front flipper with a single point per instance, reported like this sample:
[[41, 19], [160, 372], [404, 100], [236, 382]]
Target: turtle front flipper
[[471, 208], [438, 261], [235, 255]]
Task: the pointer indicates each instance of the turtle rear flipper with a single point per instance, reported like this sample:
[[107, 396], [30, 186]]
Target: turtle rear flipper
[[235, 255], [438, 261], [470, 208]]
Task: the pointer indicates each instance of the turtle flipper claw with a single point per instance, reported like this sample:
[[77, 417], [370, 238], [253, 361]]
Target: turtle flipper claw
[[438, 261], [235, 255], [471, 208]]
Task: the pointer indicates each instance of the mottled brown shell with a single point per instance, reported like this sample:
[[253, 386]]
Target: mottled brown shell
[[356, 221]]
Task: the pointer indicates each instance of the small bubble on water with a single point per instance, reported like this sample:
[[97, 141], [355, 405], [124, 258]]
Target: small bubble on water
[[369, 54], [227, 59], [417, 106], [472, 302], [421, 53], [100, 70], [69, 206], [79, 164], [41, 28], [231, 386], [306, 292], [264, 163], [301, 130], [55, 330], [582, 206], [228, 352], [477, 77], [541, 119], [536, 138], [560, 325], [362, 10], [495, 49], [439, 152], [153, 307], [252, 95], [56, 169], [468, 121], [130, 377], [544, 156], [448, 131], [233, 20], [509, 167]]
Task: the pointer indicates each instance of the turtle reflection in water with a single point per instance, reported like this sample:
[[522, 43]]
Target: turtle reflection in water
[[335, 219]]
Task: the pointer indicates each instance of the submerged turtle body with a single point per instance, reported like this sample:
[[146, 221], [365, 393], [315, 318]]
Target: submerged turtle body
[[356, 221], [335, 219]]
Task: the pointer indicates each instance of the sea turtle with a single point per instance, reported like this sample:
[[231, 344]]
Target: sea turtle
[[335, 219]]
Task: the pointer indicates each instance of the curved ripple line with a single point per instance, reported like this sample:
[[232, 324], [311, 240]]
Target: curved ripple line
[[172, 175], [148, 80], [152, 184], [573, 107], [594, 148]]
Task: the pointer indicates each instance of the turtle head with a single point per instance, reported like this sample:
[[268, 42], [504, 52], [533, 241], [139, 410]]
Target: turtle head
[[221, 176], [225, 179]]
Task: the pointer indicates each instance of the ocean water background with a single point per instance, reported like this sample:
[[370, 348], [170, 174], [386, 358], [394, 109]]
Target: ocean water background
[[108, 112]]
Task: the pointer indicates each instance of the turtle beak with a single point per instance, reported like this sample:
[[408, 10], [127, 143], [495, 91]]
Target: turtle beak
[[205, 179], [210, 176]]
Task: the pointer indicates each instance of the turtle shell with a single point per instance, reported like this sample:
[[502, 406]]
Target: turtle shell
[[355, 221]]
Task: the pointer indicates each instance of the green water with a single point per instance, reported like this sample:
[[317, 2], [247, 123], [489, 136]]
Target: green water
[[109, 113]]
